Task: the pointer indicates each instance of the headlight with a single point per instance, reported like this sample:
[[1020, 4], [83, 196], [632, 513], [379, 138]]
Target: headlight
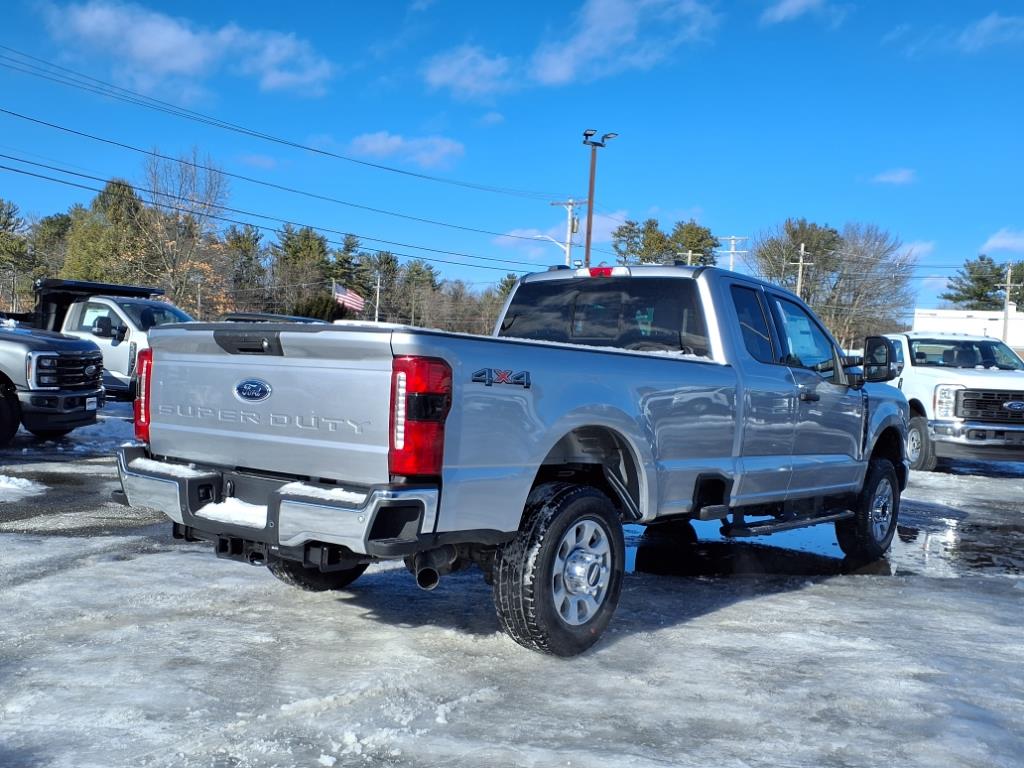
[[945, 400], [41, 370], [47, 362]]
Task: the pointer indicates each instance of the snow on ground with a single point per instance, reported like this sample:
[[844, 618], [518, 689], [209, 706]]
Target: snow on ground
[[130, 649], [112, 428], [18, 488]]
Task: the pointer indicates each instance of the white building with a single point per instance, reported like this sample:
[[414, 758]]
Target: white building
[[981, 322]]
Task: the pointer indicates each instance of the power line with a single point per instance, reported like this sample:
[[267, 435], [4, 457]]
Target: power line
[[254, 180], [74, 79], [215, 217], [229, 209]]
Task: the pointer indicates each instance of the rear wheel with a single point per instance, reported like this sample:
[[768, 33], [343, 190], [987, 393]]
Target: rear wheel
[[920, 451], [10, 415], [557, 584], [295, 574], [868, 534]]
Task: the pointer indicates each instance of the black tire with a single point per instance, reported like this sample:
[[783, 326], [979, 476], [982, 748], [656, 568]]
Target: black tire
[[867, 535], [295, 574], [680, 532], [920, 449], [10, 415], [50, 434], [535, 603]]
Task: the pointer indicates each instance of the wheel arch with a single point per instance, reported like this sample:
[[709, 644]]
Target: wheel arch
[[891, 445], [917, 408], [603, 457]]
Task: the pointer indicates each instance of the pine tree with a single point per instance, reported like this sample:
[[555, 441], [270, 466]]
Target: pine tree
[[976, 286]]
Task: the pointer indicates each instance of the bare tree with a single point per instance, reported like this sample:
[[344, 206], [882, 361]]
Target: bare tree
[[858, 281], [179, 228]]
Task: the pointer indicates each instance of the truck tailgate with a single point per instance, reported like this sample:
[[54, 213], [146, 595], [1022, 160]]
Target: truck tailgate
[[311, 401]]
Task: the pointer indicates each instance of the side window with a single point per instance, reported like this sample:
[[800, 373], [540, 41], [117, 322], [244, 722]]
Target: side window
[[897, 344], [90, 314], [809, 347], [753, 324]]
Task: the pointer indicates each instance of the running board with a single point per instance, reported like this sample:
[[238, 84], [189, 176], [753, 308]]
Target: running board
[[772, 526]]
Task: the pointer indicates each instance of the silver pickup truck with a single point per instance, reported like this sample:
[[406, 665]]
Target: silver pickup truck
[[651, 395]]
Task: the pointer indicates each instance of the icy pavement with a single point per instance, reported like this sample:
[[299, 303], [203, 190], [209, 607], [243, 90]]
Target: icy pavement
[[123, 648], [112, 428]]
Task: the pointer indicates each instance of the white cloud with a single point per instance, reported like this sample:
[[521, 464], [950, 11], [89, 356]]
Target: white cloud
[[606, 37], [991, 30], [896, 176], [468, 72], [492, 118], [611, 36], [151, 48], [1005, 240], [788, 10], [791, 10], [919, 248], [258, 161], [427, 151]]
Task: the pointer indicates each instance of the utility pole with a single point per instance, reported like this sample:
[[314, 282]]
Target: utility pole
[[588, 139], [572, 225], [1009, 286], [800, 270], [733, 253], [689, 256], [376, 308]]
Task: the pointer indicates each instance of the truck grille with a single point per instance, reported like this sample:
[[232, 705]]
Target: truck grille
[[987, 405], [73, 371]]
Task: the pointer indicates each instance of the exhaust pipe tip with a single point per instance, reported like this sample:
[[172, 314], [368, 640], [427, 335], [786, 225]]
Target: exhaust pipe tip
[[427, 579]]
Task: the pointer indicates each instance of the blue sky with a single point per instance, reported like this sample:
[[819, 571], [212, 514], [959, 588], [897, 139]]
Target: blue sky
[[908, 115]]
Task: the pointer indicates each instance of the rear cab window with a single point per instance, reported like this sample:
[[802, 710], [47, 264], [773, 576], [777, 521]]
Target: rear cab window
[[652, 314]]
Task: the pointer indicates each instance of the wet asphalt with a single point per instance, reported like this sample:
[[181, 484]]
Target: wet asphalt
[[965, 519]]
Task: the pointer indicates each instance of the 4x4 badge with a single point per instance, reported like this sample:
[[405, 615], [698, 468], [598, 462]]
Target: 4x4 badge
[[489, 376]]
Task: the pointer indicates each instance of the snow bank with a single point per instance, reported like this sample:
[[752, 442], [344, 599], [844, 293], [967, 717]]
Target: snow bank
[[18, 488], [237, 512]]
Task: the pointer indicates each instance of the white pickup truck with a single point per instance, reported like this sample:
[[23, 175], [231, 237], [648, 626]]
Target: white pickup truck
[[966, 396], [117, 318], [609, 395]]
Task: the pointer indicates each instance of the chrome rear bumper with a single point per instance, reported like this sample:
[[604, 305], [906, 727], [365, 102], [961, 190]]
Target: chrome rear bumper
[[368, 521]]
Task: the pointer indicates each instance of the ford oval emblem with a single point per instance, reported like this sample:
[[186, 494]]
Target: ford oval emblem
[[1014, 405], [252, 390], [90, 370]]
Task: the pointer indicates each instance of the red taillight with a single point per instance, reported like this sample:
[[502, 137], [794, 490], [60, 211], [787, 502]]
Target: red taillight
[[601, 271], [421, 394], [143, 375]]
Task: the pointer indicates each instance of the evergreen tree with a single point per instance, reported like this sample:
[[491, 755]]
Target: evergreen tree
[[245, 255], [691, 236], [976, 286]]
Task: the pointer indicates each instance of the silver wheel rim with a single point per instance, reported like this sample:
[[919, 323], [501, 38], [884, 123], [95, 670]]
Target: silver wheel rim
[[913, 445], [881, 509], [581, 572]]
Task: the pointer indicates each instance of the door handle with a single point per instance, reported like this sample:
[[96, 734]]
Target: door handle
[[810, 397]]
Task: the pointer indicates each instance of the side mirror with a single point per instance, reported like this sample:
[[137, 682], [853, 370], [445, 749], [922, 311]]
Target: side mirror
[[103, 327], [879, 359]]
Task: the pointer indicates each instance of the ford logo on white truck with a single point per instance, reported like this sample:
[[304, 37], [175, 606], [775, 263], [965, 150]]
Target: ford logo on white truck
[[253, 390]]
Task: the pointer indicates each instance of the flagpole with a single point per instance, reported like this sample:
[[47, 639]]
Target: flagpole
[[376, 309]]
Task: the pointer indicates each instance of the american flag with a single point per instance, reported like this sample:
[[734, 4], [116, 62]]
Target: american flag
[[348, 298]]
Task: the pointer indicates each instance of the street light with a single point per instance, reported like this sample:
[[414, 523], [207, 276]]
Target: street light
[[564, 246], [589, 140]]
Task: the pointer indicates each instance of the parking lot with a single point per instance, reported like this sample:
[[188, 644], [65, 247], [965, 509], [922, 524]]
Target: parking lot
[[120, 646]]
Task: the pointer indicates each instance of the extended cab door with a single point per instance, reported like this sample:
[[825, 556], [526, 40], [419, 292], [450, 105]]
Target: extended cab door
[[768, 409], [827, 453]]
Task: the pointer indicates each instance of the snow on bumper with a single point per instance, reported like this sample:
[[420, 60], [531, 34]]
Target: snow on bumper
[[290, 514]]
